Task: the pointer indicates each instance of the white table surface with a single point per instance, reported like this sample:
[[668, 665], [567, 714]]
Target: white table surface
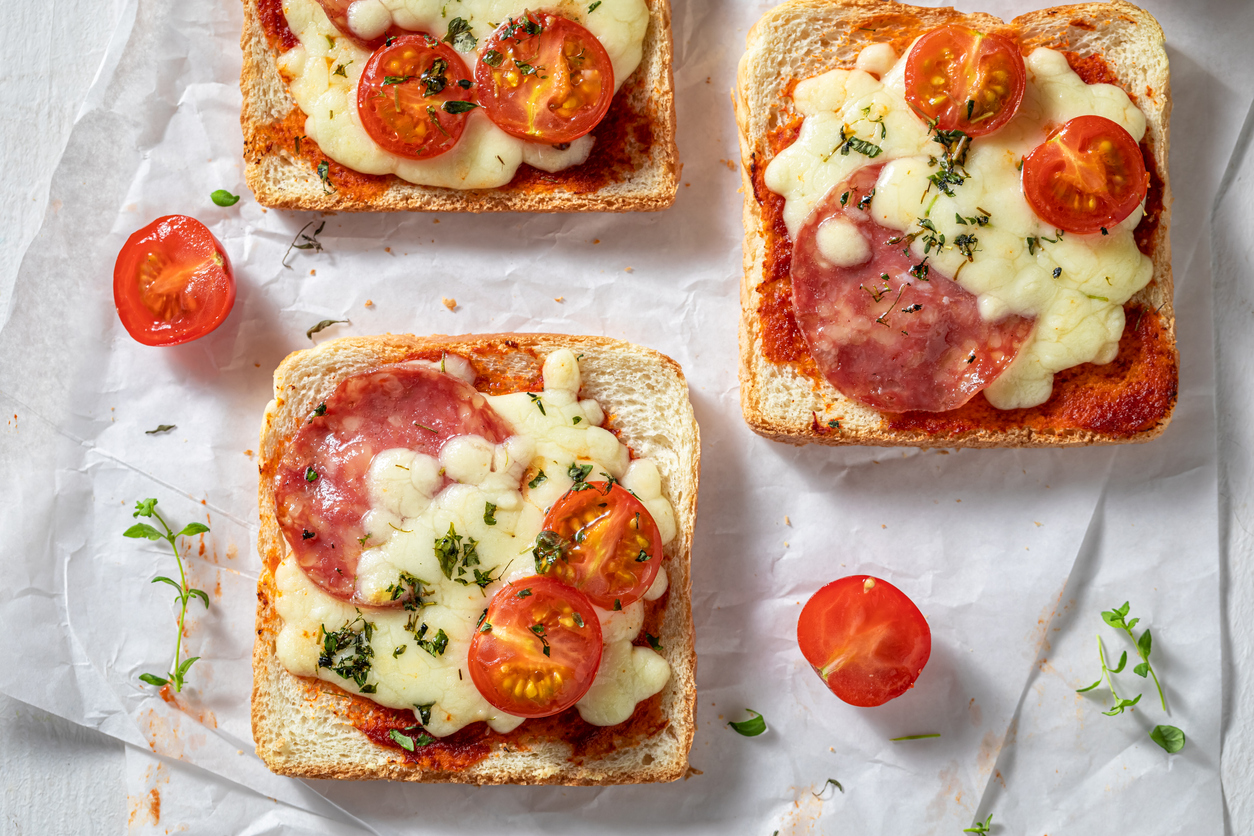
[[57, 777]]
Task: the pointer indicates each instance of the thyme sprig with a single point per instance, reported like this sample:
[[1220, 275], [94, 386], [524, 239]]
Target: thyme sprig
[[148, 508]]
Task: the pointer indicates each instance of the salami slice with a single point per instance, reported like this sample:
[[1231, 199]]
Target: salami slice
[[882, 335], [321, 488]]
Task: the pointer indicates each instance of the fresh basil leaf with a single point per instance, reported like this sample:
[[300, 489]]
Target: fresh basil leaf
[[752, 727], [222, 197], [144, 507], [201, 594], [1168, 737], [193, 528], [153, 680]]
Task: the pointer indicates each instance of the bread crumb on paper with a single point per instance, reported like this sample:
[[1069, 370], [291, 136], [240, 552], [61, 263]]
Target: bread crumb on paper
[[369, 303], [629, 269], [451, 304], [313, 272], [248, 453], [559, 298], [787, 521]]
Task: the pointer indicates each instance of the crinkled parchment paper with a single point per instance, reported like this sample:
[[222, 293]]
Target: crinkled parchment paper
[[1010, 554]]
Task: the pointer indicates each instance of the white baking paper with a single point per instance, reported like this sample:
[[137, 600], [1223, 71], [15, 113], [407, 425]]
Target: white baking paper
[[1010, 554]]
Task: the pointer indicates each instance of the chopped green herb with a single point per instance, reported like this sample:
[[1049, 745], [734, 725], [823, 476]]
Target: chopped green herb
[[579, 472], [550, 547], [752, 727], [161, 428], [222, 197], [492, 58], [535, 483], [831, 782], [542, 634], [576, 419], [593, 7], [653, 642], [455, 106], [320, 410], [460, 35], [914, 737], [305, 242], [326, 323], [489, 513], [535, 399], [347, 651], [324, 174], [424, 712], [311, 475]]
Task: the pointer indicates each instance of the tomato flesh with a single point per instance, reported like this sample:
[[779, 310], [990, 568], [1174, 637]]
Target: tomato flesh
[[610, 545], [866, 640], [965, 80], [402, 96], [545, 78], [537, 650], [1087, 175], [172, 282]]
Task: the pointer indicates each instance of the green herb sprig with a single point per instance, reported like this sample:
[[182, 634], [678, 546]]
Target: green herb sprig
[[1117, 618], [148, 508], [981, 827], [1120, 703]]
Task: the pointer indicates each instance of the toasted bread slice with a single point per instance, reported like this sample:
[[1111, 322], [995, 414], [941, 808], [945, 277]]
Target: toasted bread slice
[[786, 398], [634, 165], [309, 728]]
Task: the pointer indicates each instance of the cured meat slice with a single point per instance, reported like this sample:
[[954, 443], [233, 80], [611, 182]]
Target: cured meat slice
[[321, 488], [881, 335]]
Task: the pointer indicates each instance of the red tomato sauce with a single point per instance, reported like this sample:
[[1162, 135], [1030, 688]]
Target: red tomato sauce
[[274, 23], [1131, 394]]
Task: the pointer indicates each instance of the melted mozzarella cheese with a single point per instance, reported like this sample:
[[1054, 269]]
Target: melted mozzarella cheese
[[485, 156], [409, 512], [1075, 285]]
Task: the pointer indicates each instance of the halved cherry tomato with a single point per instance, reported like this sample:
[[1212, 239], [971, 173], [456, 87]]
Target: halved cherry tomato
[[965, 80], [544, 78], [413, 97], [865, 639], [172, 282], [604, 543], [537, 650], [1088, 174]]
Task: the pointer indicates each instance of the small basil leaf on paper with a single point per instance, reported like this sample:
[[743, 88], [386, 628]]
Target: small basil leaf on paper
[[1168, 737], [222, 197], [752, 727]]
